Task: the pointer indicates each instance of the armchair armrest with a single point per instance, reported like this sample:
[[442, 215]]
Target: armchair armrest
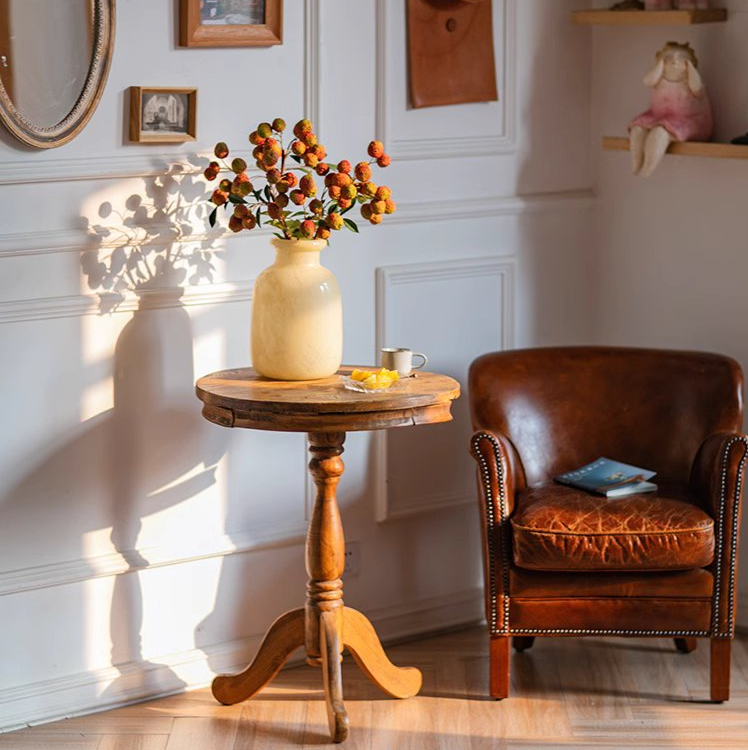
[[717, 478], [500, 475]]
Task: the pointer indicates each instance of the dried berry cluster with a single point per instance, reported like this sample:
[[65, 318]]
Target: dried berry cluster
[[293, 204]]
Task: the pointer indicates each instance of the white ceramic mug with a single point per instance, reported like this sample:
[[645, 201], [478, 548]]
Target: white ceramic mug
[[395, 358]]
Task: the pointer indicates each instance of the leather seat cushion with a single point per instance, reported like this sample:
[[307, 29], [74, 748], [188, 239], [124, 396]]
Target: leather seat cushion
[[560, 528]]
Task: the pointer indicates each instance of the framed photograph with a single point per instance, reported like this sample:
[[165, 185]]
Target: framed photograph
[[163, 115], [230, 23]]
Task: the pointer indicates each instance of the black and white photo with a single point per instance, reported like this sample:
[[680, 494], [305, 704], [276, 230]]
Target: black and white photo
[[162, 115], [164, 112]]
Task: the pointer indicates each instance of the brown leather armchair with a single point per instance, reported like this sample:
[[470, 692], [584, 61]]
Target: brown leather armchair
[[560, 562]]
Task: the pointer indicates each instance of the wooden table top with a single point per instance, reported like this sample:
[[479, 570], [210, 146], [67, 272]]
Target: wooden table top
[[242, 398]]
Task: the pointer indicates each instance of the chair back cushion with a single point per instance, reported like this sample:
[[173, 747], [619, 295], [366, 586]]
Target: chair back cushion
[[564, 407]]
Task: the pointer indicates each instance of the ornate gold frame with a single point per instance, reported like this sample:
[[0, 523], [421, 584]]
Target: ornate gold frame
[[65, 130]]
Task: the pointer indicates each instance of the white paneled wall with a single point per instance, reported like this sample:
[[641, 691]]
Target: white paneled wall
[[143, 549], [456, 310], [671, 258]]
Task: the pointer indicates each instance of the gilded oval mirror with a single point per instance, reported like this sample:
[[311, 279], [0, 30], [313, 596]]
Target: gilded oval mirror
[[54, 60]]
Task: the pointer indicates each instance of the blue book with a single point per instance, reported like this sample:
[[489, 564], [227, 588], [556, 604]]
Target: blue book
[[609, 478]]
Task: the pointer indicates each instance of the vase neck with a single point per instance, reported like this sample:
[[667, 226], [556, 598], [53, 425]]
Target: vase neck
[[289, 257], [298, 253]]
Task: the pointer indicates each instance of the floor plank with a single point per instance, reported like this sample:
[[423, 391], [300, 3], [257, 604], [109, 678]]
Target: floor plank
[[32, 740], [566, 694], [194, 733], [133, 742]]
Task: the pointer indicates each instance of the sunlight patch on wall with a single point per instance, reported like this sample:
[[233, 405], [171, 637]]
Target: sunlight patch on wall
[[97, 605], [97, 399], [210, 351]]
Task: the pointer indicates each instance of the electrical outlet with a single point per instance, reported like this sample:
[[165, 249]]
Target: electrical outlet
[[352, 559]]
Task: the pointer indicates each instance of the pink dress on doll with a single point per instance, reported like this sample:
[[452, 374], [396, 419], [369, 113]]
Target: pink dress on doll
[[685, 116]]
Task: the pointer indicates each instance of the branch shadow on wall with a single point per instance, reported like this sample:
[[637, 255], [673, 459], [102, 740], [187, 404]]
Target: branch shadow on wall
[[152, 450]]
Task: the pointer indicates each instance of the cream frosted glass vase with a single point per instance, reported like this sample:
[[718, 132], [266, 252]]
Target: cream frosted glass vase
[[297, 315]]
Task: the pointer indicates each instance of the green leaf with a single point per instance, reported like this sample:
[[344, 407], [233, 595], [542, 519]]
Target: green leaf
[[347, 209], [279, 235], [297, 159], [268, 194], [258, 195], [259, 220], [212, 217], [351, 225], [236, 199]]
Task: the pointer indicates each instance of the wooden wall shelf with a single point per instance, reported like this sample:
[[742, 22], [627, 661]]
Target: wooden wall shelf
[[648, 17], [704, 150]]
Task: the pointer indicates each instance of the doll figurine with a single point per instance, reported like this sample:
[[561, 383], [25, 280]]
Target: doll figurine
[[679, 111]]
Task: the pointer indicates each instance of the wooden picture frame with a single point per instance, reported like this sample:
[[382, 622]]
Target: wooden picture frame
[[162, 114], [194, 32]]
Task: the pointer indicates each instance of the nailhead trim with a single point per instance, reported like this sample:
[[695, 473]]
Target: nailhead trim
[[590, 631], [717, 599], [491, 527], [491, 522]]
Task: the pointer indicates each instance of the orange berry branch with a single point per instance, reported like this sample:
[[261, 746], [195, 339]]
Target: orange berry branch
[[292, 205]]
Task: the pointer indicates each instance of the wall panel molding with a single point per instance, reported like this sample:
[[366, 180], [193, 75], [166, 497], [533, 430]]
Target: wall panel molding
[[79, 305], [491, 206], [27, 244], [502, 142], [312, 49], [83, 693], [502, 268], [116, 563], [114, 167], [23, 244]]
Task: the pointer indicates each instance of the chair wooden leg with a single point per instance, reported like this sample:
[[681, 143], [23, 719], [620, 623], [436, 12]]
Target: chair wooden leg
[[500, 650], [685, 645], [720, 670], [522, 642]]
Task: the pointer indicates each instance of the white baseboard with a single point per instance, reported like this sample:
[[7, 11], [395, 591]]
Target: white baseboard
[[113, 687]]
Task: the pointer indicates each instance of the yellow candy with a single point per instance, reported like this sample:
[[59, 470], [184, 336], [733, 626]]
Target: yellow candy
[[375, 380]]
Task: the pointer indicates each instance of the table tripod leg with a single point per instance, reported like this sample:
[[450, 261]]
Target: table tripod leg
[[329, 643], [360, 638], [283, 637]]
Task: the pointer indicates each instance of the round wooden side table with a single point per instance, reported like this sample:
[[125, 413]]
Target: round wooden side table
[[324, 626]]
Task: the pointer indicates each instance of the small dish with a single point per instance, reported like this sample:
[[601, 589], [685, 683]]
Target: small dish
[[358, 385]]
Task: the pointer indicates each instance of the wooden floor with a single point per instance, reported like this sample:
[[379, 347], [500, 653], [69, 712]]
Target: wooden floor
[[567, 693]]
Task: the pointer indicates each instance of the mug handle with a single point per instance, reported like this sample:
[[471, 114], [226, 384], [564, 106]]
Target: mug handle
[[424, 363]]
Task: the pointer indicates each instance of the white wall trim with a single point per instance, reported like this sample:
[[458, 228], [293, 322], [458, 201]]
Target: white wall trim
[[75, 695], [503, 268], [25, 244], [174, 164], [312, 48], [79, 305], [116, 563], [491, 206], [504, 142]]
